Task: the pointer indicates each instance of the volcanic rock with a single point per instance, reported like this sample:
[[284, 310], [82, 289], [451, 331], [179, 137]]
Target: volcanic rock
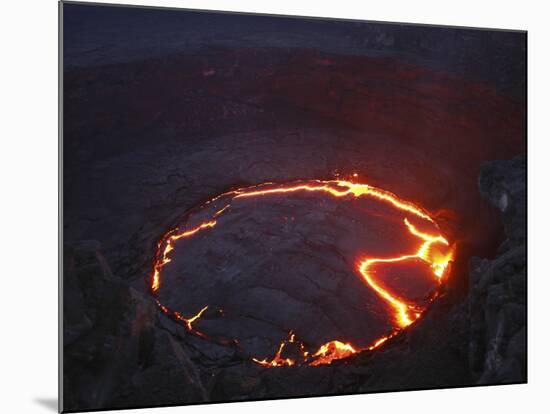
[[498, 295], [164, 138]]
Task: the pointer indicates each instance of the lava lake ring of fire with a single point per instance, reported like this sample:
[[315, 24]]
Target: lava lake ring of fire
[[297, 244]]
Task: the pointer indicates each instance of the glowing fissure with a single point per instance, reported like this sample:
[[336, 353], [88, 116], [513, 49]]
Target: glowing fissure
[[404, 312]]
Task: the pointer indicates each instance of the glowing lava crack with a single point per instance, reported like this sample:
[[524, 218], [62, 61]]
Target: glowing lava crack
[[433, 250]]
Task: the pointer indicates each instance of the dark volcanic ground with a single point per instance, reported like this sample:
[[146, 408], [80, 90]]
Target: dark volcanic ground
[[146, 140]]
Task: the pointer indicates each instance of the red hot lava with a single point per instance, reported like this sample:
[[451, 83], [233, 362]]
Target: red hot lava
[[433, 250]]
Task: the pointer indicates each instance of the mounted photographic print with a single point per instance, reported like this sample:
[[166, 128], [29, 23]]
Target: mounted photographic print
[[260, 207]]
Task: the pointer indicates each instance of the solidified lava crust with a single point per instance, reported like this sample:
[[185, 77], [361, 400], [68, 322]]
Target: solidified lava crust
[[301, 273]]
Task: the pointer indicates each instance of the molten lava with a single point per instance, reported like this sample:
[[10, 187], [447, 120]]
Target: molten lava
[[433, 250]]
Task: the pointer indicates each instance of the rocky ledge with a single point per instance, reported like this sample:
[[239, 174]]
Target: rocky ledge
[[498, 288]]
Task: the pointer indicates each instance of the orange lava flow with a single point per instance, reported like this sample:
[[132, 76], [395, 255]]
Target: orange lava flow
[[279, 361], [433, 250], [405, 314], [168, 247]]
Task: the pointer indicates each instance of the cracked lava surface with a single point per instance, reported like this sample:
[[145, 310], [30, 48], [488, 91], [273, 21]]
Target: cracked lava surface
[[394, 250]]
